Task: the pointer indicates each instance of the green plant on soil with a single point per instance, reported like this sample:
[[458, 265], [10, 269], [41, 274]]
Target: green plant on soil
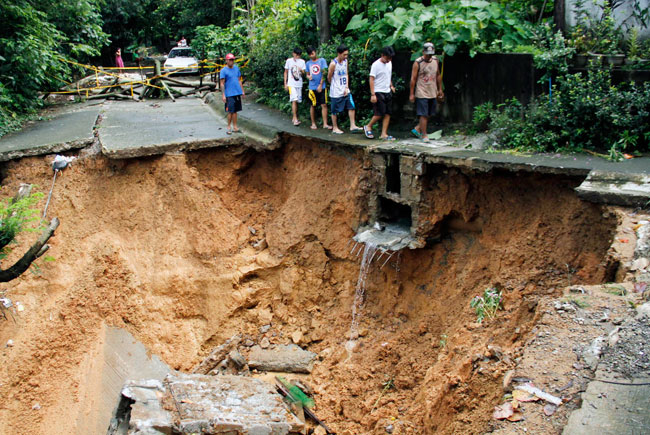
[[443, 341], [616, 290], [580, 302], [486, 306]]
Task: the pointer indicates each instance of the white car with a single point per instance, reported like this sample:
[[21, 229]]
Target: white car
[[181, 60]]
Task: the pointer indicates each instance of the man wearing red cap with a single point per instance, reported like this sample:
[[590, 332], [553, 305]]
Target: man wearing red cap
[[232, 90]]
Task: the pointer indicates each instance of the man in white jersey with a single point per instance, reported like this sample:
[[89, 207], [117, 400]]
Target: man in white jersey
[[381, 93], [294, 68], [340, 97]]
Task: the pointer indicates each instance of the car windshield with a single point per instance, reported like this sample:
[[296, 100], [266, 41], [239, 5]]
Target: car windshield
[[183, 52]]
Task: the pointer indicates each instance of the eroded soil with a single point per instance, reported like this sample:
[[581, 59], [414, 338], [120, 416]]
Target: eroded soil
[[185, 250]]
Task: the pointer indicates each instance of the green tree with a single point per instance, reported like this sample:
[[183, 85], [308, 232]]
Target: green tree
[[35, 39]]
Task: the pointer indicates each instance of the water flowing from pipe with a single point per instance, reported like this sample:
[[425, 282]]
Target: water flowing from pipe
[[369, 252]]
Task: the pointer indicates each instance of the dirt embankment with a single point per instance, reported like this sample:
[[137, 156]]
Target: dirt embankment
[[185, 250]]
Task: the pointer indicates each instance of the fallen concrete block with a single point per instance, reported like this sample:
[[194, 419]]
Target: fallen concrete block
[[281, 358], [218, 404], [191, 403]]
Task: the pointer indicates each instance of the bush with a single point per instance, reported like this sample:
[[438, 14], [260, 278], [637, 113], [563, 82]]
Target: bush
[[586, 113]]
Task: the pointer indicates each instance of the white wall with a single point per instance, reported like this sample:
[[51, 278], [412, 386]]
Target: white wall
[[621, 13]]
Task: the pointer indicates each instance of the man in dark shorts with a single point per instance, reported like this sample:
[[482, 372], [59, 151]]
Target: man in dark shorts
[[232, 90], [381, 93], [426, 86], [317, 88]]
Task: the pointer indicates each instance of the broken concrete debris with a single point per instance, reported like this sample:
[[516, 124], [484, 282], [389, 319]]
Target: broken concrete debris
[[192, 403], [217, 355], [281, 358]]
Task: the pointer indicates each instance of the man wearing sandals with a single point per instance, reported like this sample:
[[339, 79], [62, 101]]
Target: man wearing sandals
[[294, 68], [426, 86], [340, 97], [381, 93], [232, 91], [317, 88]]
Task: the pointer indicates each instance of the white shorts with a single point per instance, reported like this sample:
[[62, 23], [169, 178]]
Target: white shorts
[[295, 94]]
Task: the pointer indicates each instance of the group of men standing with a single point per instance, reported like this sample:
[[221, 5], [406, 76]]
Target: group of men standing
[[425, 89]]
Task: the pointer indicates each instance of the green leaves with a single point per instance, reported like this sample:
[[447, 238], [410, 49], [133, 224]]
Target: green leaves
[[357, 22], [469, 26]]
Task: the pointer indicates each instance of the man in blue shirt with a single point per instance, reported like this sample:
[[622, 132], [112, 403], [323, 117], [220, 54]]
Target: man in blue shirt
[[232, 90], [317, 88]]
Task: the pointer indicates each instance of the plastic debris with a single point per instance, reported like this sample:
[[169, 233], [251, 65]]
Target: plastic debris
[[6, 302], [61, 162], [20, 307], [10, 343], [539, 393]]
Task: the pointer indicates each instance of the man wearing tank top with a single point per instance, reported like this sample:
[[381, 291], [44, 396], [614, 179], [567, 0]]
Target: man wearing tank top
[[426, 86], [340, 97]]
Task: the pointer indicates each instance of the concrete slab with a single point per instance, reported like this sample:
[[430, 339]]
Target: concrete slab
[[288, 358], [209, 404], [616, 188], [459, 151], [135, 129], [65, 128], [118, 358], [620, 404], [389, 238]]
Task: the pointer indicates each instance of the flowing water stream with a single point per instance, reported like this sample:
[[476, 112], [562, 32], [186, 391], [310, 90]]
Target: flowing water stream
[[369, 252]]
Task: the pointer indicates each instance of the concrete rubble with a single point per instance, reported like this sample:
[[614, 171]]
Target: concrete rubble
[[192, 403], [281, 358]]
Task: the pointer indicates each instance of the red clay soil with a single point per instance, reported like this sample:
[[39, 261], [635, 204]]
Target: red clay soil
[[185, 250]]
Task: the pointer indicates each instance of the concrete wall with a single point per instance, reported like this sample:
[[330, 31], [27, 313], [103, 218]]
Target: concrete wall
[[621, 14]]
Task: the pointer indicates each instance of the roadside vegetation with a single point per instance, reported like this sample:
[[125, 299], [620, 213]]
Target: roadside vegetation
[[583, 111], [587, 111]]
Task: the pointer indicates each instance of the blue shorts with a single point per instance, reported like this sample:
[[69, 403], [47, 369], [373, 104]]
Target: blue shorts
[[425, 106], [341, 104], [233, 104]]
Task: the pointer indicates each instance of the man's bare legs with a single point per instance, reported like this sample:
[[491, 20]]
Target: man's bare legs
[[324, 112]]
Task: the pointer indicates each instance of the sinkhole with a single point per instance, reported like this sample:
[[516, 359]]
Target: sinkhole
[[185, 251]]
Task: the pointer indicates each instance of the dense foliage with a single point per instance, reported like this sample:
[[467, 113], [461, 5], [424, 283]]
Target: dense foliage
[[34, 38], [470, 26], [587, 112]]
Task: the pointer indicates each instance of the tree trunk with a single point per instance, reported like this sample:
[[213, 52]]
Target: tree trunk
[[323, 20], [32, 254], [559, 15]]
